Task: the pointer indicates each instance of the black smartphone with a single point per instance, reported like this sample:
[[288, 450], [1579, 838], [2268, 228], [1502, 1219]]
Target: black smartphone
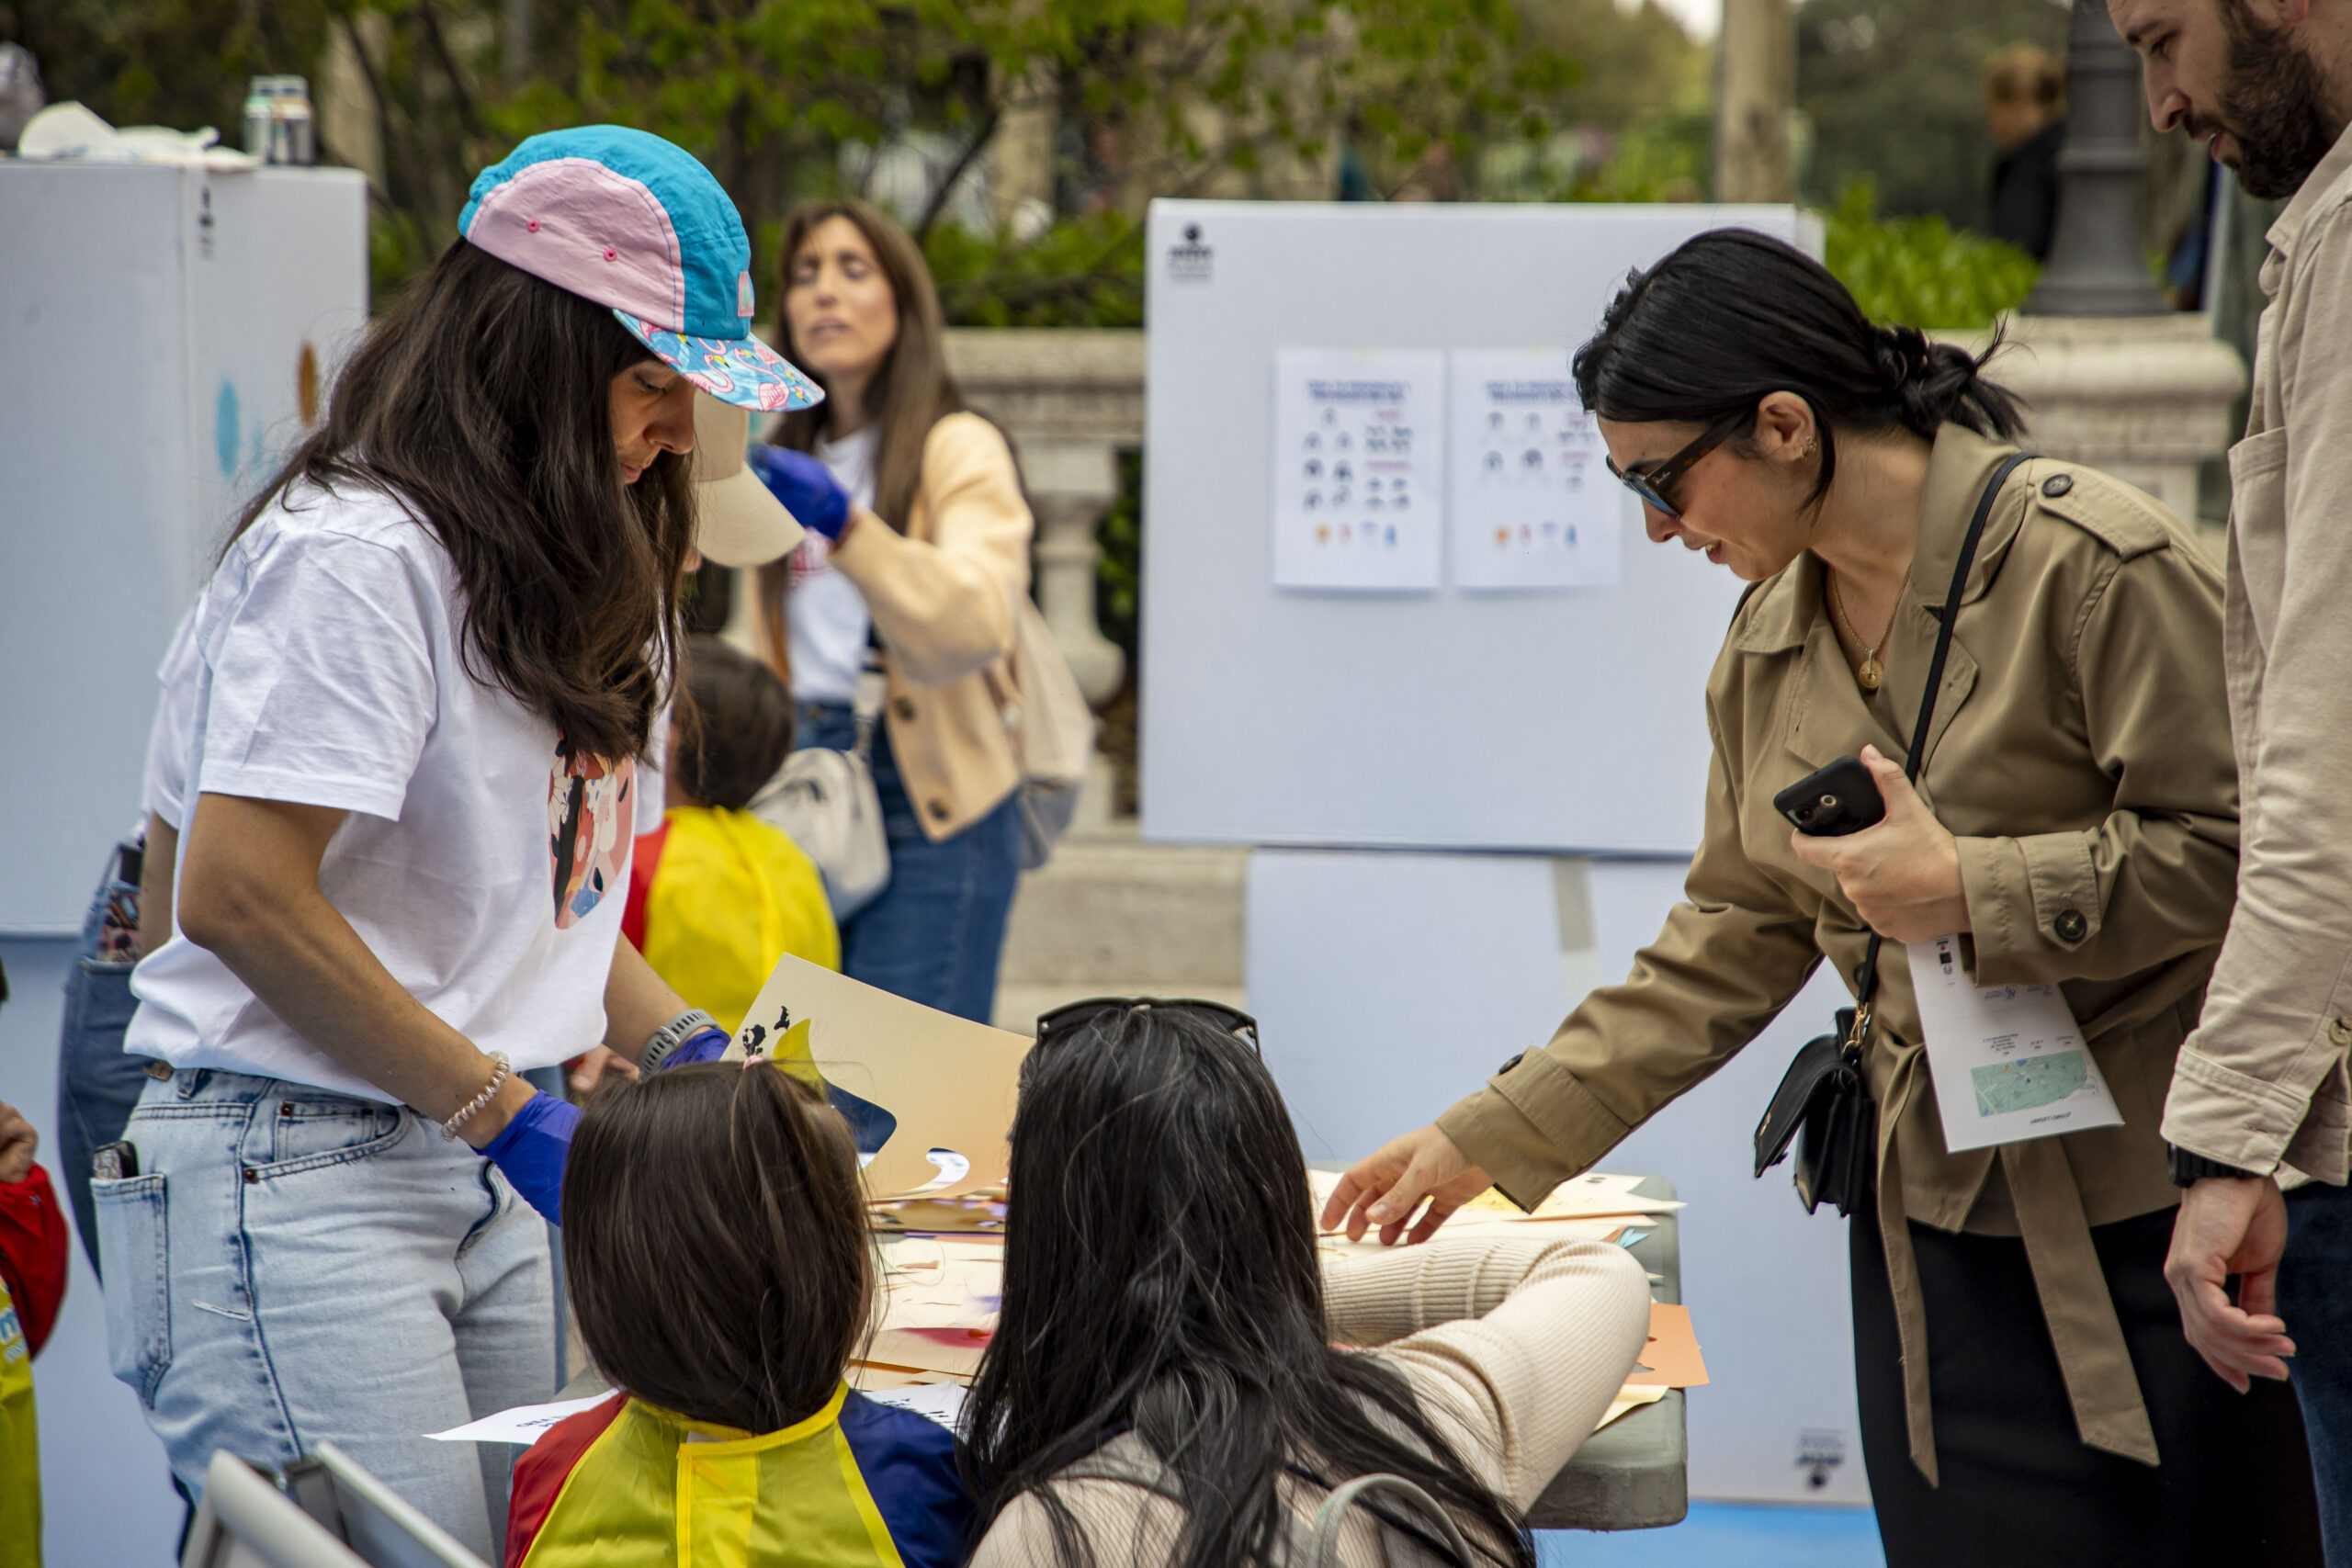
[[118, 1161], [1833, 801]]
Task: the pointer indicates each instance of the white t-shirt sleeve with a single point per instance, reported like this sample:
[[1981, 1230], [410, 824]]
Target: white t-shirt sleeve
[[166, 790], [322, 686], [649, 789]]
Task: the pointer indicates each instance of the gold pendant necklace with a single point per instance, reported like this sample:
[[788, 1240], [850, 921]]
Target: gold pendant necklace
[[1873, 671]]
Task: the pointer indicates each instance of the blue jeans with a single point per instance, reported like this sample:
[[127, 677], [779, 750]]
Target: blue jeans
[[2315, 1298], [291, 1264], [936, 934], [96, 1083]]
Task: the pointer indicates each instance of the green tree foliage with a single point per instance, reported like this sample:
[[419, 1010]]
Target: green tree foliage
[[1894, 90], [1921, 272], [1154, 97]]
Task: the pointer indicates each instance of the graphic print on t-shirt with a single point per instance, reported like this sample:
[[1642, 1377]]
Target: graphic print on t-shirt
[[592, 812]]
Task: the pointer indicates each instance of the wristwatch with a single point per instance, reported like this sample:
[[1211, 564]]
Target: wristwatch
[[2187, 1169], [671, 1035]]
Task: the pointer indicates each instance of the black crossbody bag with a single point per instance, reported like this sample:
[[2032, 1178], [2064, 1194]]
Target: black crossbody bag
[[1824, 1101]]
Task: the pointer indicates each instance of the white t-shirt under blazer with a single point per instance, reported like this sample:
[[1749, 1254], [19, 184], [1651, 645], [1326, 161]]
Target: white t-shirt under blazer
[[484, 861]]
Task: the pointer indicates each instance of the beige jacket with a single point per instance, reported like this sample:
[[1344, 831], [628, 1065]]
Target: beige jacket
[[1513, 1350], [2263, 1082], [941, 589], [2079, 752]]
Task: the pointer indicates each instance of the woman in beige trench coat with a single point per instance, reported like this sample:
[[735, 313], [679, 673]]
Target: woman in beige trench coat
[[2026, 1396]]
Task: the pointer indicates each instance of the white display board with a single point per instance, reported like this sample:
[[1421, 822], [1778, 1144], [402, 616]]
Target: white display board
[[1387, 985], [1480, 683], [163, 329]]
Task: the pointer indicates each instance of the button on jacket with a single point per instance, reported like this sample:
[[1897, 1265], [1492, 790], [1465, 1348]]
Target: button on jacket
[[2079, 752], [940, 586], [2262, 1081]]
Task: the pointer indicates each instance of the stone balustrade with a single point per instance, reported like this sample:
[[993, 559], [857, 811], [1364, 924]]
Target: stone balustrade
[[2144, 398], [1071, 399]]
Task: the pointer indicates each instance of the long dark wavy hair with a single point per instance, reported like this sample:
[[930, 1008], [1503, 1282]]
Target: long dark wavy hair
[[1160, 1278], [483, 400], [1732, 315]]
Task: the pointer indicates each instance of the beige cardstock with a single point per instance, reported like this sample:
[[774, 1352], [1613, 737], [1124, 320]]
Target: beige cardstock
[[950, 1082]]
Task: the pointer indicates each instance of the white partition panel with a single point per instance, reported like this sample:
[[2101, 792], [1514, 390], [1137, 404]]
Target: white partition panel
[[162, 330], [1442, 718]]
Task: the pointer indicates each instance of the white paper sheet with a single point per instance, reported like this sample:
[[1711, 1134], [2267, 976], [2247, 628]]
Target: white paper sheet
[[942, 1402], [1358, 438], [524, 1424], [1529, 502], [2008, 1063]]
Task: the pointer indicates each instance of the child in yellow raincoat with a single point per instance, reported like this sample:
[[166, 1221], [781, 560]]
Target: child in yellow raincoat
[[716, 1246], [32, 1284], [717, 896]]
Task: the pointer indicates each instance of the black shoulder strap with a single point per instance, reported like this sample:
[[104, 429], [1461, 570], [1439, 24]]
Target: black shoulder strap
[[1866, 978]]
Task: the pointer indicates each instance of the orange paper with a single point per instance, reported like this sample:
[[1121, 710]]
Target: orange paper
[[1671, 1359]]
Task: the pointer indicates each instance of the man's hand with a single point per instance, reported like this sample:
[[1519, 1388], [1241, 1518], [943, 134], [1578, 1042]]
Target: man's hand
[[1903, 872], [1384, 1188], [2231, 1225], [18, 1142], [595, 1065]]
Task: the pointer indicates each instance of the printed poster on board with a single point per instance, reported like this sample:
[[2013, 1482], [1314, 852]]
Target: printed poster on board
[[1357, 439], [1532, 504]]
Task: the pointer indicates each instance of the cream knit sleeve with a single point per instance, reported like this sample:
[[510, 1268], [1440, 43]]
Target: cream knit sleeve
[[1514, 1348]]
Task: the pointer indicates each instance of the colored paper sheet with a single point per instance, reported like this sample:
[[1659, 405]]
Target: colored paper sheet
[[1672, 1358], [945, 1086], [1629, 1399], [1359, 438], [1530, 505]]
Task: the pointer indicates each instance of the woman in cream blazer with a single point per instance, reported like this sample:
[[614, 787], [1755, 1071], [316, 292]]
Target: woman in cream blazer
[[921, 584]]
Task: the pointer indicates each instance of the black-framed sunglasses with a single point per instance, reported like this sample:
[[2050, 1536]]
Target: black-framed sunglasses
[[1653, 482], [1075, 1016]]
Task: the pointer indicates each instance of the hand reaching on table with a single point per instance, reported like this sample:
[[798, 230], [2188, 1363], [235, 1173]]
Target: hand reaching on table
[[1387, 1186]]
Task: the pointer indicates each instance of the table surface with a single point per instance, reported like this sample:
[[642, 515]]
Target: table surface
[[1632, 1474]]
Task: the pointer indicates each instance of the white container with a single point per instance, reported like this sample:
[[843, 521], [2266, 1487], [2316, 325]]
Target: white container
[[155, 324]]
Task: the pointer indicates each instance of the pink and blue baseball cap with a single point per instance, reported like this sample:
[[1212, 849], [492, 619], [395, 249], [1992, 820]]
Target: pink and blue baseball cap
[[637, 224]]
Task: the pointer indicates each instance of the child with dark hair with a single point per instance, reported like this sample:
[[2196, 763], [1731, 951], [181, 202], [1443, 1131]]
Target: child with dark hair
[[717, 1250], [718, 895]]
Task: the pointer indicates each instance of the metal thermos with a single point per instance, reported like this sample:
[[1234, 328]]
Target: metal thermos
[[296, 141], [258, 119], [280, 127]]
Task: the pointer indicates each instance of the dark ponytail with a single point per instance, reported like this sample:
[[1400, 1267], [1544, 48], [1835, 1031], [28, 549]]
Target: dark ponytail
[[1732, 315]]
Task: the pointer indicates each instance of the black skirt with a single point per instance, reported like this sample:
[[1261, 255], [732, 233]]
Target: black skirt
[[2019, 1488]]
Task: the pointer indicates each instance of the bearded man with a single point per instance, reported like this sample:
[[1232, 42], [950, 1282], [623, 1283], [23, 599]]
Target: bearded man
[[2261, 1090]]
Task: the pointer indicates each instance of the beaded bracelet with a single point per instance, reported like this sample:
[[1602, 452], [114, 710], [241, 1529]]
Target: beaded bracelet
[[499, 1067]]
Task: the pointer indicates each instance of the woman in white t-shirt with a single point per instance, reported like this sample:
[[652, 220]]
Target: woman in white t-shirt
[[426, 666], [917, 552]]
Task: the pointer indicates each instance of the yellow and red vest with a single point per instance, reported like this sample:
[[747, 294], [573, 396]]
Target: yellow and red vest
[[627, 1486]]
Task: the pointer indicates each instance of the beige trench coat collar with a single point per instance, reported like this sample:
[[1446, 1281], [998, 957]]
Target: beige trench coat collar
[[1826, 717]]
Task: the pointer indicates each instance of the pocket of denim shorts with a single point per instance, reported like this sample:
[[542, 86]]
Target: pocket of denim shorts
[[327, 1130], [107, 1001], [132, 1243]]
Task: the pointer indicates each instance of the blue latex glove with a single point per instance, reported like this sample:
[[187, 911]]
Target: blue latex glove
[[531, 1150], [807, 488], [702, 1045]]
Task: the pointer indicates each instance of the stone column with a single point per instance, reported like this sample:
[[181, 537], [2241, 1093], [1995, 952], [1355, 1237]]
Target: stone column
[[2095, 269], [1071, 486], [1755, 77], [1021, 172]]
